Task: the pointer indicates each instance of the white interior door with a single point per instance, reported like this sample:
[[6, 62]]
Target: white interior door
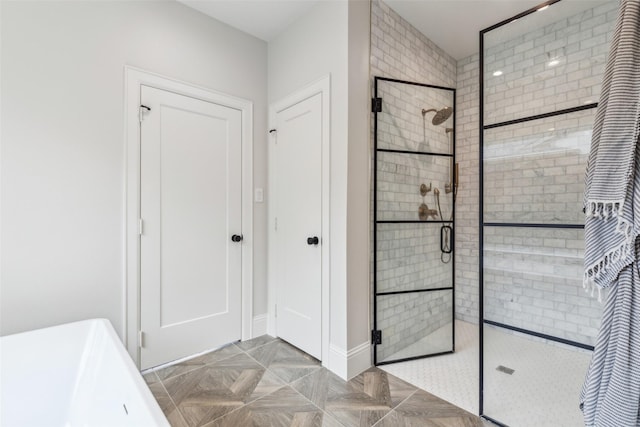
[[298, 210], [190, 207]]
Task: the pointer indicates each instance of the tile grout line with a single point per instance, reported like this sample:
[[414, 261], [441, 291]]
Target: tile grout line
[[246, 352], [324, 412], [258, 346], [286, 384], [397, 406], [274, 373], [246, 404], [173, 402], [201, 366]]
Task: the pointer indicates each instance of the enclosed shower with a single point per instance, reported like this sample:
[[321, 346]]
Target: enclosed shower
[[515, 341], [415, 187]]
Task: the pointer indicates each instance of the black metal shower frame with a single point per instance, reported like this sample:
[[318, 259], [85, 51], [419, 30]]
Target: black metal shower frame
[[482, 224], [375, 333]]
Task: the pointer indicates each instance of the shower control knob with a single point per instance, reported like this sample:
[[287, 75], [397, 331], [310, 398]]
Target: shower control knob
[[236, 238], [313, 240]]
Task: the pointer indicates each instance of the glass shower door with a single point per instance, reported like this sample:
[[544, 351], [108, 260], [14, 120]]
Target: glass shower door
[[538, 326], [414, 194]]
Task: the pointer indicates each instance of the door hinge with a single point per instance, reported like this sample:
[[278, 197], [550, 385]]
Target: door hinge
[[376, 337], [276, 224], [141, 111], [140, 226], [140, 339], [376, 105], [275, 310]]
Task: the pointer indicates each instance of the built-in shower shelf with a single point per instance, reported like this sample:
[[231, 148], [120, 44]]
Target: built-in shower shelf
[[506, 271], [501, 252]]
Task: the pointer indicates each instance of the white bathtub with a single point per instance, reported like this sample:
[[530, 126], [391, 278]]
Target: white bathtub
[[78, 374]]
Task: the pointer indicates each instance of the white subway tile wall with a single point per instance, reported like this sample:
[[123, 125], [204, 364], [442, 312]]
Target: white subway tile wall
[[533, 280], [400, 51], [403, 126], [399, 179], [467, 155], [403, 252], [409, 254], [534, 171], [402, 316], [549, 69]]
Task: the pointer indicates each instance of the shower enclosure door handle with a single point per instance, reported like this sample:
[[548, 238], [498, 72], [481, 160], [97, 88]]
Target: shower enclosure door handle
[[446, 236], [313, 240], [236, 238]]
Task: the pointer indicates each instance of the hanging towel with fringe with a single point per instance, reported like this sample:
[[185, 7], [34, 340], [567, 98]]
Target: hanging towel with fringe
[[611, 392], [611, 168]]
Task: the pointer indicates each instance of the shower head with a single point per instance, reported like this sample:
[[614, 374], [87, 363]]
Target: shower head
[[441, 116]]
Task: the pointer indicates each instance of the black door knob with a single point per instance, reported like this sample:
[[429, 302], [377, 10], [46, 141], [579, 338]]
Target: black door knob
[[236, 238], [312, 240]]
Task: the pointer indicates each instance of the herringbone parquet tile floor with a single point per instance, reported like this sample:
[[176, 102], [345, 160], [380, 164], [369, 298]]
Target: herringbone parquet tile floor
[[266, 382]]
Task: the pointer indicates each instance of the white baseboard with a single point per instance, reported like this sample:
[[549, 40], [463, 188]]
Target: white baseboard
[[259, 325], [358, 359], [337, 361], [348, 364]]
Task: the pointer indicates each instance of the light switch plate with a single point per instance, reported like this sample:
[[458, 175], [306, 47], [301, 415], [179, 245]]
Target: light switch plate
[[259, 195]]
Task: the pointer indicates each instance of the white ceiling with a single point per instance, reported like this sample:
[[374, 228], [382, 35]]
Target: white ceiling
[[453, 25], [264, 19]]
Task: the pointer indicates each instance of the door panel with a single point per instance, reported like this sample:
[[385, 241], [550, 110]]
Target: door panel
[[190, 205], [299, 217], [415, 185]]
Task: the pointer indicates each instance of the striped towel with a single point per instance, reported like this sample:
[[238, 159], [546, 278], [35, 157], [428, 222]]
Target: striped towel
[[609, 227], [611, 392]]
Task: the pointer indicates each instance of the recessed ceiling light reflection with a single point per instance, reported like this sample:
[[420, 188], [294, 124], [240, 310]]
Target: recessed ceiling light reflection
[[551, 129], [554, 62], [543, 8], [588, 101], [497, 73]]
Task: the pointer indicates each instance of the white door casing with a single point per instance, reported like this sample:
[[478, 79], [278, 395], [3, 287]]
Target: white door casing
[[134, 80], [190, 273], [299, 191]]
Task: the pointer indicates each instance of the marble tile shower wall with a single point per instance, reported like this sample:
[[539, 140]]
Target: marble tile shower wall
[[409, 254], [425, 308], [399, 180], [402, 125], [400, 51], [533, 281], [467, 155], [552, 68], [409, 258], [534, 172]]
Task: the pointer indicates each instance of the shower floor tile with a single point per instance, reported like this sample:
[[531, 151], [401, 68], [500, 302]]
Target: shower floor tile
[[267, 382], [542, 391]]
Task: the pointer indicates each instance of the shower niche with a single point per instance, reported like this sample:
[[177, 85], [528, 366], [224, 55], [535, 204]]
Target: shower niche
[[415, 184]]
